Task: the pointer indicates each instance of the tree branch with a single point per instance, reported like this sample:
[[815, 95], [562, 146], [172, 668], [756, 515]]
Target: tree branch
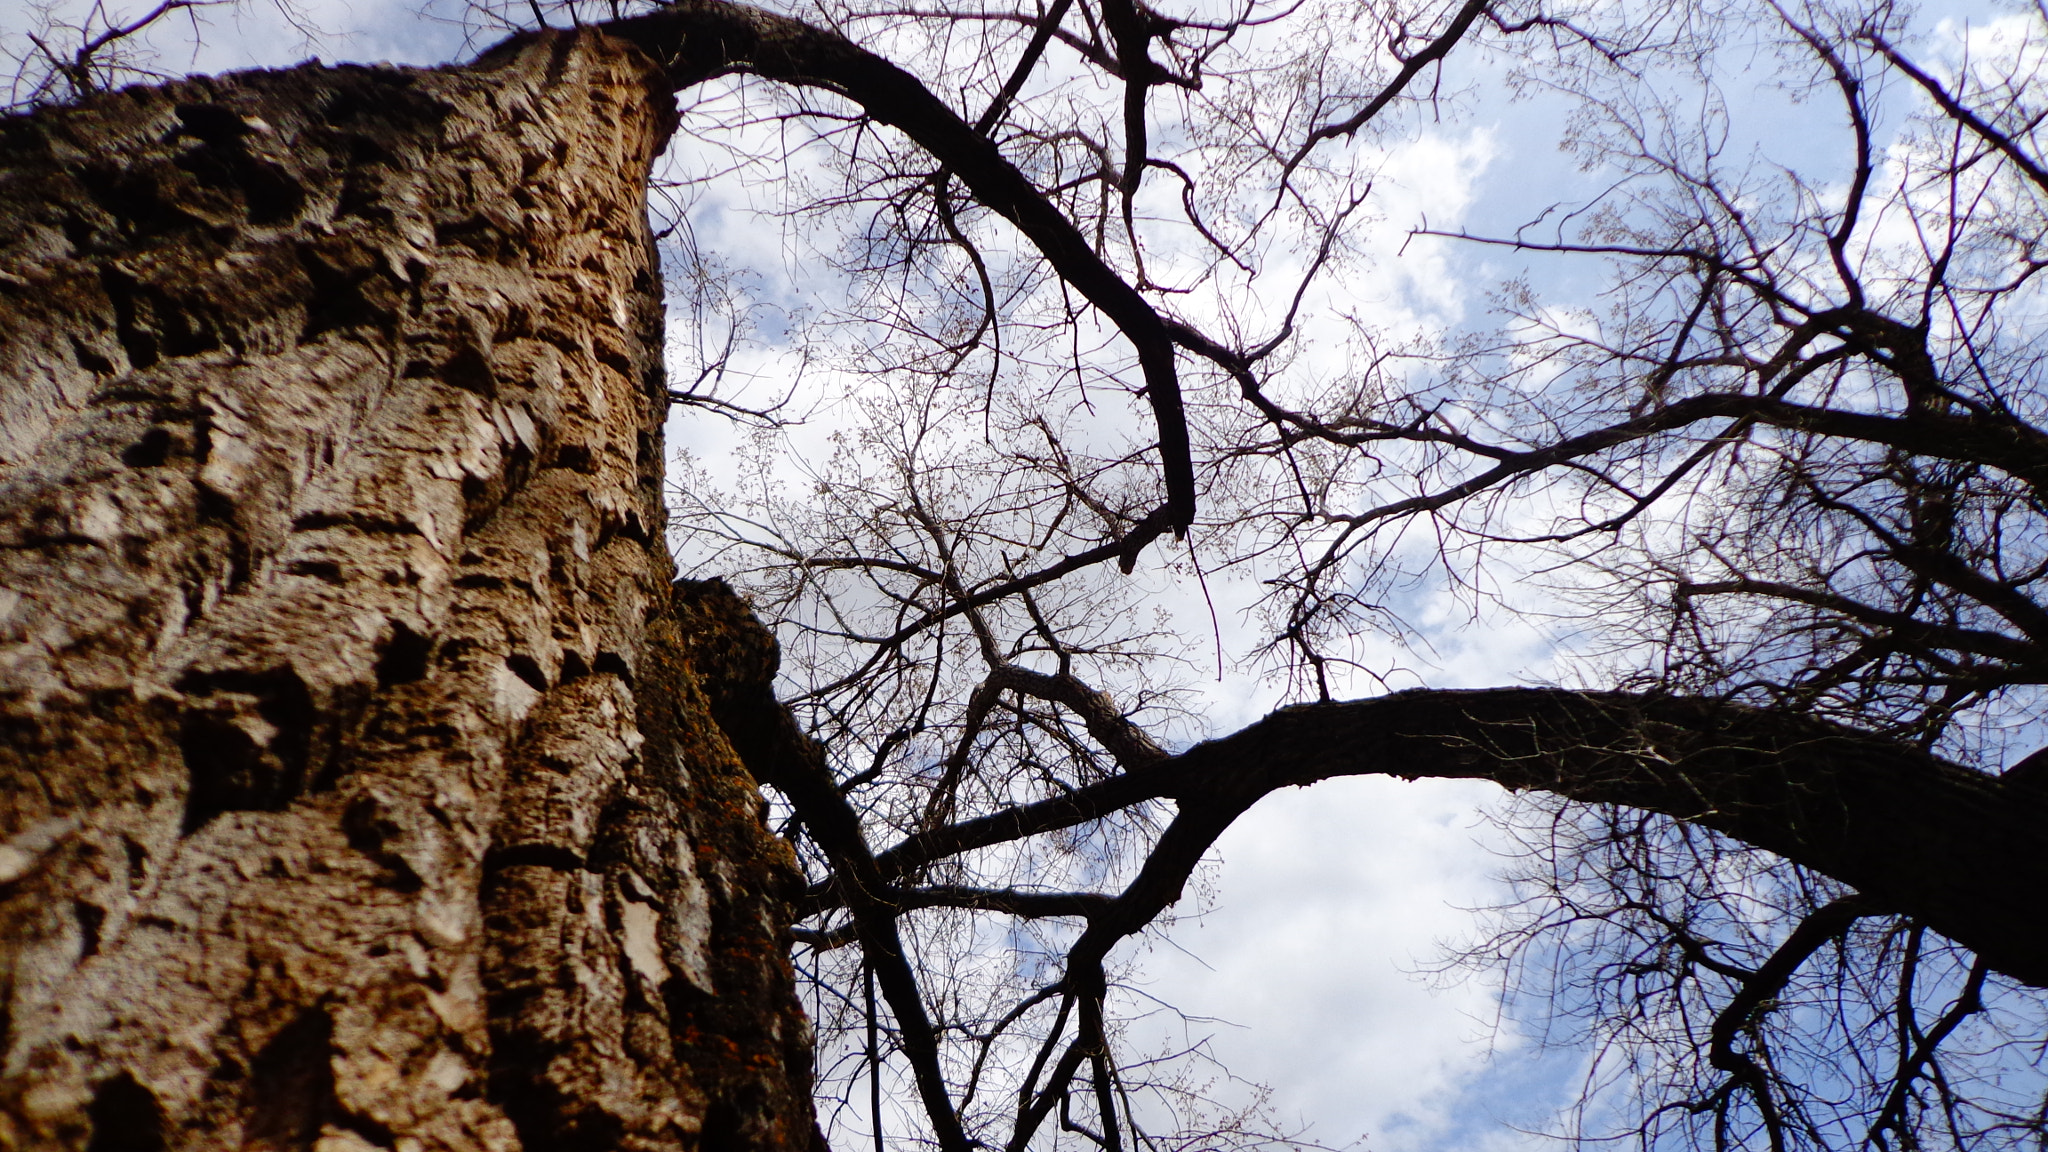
[[1928, 838], [696, 40]]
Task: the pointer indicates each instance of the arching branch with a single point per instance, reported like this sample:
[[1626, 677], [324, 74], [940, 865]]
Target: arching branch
[[1959, 849], [697, 40]]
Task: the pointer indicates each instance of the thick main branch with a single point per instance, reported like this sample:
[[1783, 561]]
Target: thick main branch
[[696, 40], [1961, 850], [1924, 836]]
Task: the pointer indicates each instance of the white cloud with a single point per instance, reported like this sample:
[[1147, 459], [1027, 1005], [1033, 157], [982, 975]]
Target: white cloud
[[1333, 900]]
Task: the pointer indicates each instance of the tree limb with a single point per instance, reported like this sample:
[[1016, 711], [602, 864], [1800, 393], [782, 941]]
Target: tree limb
[[1928, 838], [697, 40]]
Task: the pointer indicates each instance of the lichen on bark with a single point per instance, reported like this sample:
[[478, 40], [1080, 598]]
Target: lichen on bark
[[356, 789]]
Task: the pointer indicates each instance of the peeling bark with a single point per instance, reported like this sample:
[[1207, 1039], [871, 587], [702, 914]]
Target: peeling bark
[[357, 789]]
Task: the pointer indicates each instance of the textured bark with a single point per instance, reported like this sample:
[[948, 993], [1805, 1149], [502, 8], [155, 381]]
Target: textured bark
[[356, 786]]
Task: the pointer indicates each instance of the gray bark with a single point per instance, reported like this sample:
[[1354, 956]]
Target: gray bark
[[356, 787]]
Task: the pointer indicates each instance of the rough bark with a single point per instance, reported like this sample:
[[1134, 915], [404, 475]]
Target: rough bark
[[356, 786]]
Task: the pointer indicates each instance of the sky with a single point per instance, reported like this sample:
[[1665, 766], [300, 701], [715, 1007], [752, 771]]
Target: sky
[[1309, 972], [1311, 962]]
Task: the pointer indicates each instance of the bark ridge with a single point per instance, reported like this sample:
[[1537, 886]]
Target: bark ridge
[[356, 787]]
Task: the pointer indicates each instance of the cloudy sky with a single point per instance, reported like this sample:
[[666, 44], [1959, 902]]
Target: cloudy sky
[[1328, 907], [1309, 970]]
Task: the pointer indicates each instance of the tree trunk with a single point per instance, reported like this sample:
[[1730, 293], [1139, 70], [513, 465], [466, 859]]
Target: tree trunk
[[356, 788]]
